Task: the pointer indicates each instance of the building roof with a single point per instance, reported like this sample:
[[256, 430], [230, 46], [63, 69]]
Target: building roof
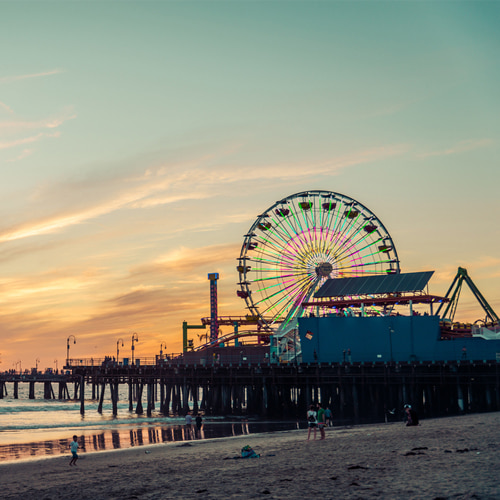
[[373, 285]]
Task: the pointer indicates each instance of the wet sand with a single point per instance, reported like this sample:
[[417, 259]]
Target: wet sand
[[457, 457]]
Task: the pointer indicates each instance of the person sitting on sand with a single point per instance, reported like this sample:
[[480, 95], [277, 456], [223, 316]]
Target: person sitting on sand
[[74, 448], [311, 421]]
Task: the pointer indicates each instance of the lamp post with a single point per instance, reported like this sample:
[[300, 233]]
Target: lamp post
[[135, 338], [67, 348], [37, 360], [163, 344], [118, 348], [55, 361]]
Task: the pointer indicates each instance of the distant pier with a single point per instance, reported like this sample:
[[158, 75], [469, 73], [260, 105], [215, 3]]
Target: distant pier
[[356, 392]]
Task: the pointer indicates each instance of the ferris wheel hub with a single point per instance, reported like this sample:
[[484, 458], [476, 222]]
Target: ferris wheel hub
[[324, 269]]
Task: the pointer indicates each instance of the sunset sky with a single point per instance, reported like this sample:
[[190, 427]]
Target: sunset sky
[[140, 140]]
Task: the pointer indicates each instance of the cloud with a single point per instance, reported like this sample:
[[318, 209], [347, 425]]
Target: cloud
[[24, 154], [16, 78], [174, 182], [26, 140], [461, 147], [183, 260], [6, 108], [51, 122], [13, 132]]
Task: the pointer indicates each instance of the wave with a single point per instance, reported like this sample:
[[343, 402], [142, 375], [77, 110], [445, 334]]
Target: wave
[[103, 423]]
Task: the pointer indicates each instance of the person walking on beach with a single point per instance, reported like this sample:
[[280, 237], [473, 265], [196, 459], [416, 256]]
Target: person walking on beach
[[189, 421], [74, 448], [328, 417], [199, 422], [311, 421], [321, 420], [411, 415]]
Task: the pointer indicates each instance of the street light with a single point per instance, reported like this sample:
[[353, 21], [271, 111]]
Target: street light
[[67, 348], [37, 360], [55, 361], [117, 348], [135, 338], [163, 344]]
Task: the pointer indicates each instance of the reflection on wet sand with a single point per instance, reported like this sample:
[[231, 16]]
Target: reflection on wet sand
[[125, 437]]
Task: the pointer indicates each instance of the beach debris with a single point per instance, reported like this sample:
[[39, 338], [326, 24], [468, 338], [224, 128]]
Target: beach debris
[[465, 450], [410, 453], [266, 492], [147, 452], [420, 448], [248, 452], [201, 491], [353, 467]]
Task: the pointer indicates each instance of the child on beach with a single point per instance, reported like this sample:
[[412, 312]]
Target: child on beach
[[74, 448]]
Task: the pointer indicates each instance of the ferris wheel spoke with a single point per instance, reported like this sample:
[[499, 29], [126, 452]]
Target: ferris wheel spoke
[[280, 306], [275, 253], [343, 235], [337, 223], [282, 242], [341, 256], [300, 238], [281, 295], [354, 244], [293, 239]]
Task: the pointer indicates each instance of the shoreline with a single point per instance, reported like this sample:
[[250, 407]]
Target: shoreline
[[125, 436], [450, 456]]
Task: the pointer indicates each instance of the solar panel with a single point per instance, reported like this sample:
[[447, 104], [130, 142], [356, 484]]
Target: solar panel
[[372, 285]]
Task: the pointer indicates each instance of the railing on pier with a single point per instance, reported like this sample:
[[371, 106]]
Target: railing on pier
[[113, 362], [221, 356]]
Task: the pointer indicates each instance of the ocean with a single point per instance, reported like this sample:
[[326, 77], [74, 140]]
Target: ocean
[[39, 428]]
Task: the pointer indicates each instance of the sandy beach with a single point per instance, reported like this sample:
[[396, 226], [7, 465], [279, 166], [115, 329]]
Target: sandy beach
[[457, 457]]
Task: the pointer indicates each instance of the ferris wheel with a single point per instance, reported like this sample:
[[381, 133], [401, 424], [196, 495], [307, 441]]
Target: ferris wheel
[[298, 243]]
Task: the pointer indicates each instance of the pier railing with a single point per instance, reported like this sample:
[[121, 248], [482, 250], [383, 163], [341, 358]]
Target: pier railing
[[224, 357], [112, 362]]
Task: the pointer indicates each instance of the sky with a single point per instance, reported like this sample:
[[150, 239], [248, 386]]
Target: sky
[[139, 141]]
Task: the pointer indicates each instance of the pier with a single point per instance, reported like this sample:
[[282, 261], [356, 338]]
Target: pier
[[356, 392]]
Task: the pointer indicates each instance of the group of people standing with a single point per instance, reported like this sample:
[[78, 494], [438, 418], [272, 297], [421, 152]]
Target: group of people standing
[[318, 418]]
